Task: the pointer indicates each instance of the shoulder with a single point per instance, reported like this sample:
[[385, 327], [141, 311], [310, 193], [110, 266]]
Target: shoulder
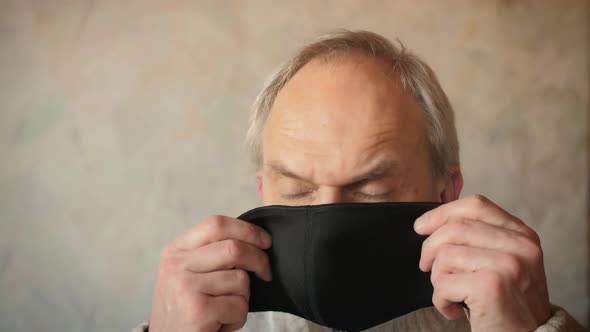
[[560, 321], [143, 327]]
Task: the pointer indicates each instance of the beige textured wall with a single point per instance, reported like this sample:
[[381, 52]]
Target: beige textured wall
[[122, 122]]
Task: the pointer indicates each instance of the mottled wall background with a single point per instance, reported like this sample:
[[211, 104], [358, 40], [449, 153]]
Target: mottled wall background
[[122, 123]]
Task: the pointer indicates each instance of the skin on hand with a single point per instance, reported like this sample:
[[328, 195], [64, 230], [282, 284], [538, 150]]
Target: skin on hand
[[483, 256], [202, 283]]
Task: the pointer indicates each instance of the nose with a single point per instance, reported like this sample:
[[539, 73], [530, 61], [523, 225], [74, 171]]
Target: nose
[[328, 195]]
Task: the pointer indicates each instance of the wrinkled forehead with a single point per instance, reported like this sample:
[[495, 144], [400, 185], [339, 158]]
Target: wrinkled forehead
[[343, 112]]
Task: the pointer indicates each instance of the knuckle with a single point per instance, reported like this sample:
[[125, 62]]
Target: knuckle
[[233, 250], [255, 233], [512, 266], [250, 229], [181, 285], [445, 253], [250, 232], [166, 252], [242, 279], [523, 228], [531, 249], [534, 236], [536, 254], [493, 286], [457, 226], [451, 254], [172, 264], [197, 305], [215, 225], [443, 262], [479, 200]]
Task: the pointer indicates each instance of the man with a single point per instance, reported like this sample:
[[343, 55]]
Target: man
[[354, 118]]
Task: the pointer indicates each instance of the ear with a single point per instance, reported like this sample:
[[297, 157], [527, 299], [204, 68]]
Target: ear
[[452, 187], [259, 185]]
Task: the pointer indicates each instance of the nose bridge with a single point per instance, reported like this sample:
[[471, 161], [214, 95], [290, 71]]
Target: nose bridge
[[330, 194]]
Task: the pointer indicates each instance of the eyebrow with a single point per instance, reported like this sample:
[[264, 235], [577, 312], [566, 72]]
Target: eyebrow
[[380, 170]]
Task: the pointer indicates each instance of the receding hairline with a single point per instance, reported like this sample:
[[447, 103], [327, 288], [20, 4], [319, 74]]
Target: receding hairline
[[350, 56], [416, 77]]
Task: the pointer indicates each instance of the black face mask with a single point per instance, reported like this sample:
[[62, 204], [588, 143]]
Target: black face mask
[[349, 266]]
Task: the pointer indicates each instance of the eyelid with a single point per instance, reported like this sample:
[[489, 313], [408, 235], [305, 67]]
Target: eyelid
[[372, 196], [296, 195]]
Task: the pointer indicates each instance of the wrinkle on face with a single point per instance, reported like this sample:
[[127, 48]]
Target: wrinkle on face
[[333, 121]]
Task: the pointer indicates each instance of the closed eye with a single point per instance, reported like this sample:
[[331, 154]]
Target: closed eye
[[371, 197], [297, 195]]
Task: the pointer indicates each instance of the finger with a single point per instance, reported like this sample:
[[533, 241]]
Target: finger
[[461, 259], [482, 292], [471, 234], [219, 228], [486, 294], [225, 282], [227, 255], [448, 294], [476, 207], [229, 309]]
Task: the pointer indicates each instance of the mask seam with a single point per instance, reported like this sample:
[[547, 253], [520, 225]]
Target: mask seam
[[309, 264]]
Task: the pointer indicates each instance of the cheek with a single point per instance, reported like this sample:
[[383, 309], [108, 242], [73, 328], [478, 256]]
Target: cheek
[[417, 190], [267, 190], [418, 185]]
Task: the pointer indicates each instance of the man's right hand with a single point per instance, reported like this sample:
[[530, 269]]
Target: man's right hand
[[202, 284]]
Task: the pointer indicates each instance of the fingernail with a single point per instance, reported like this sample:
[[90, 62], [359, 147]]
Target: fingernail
[[265, 239]]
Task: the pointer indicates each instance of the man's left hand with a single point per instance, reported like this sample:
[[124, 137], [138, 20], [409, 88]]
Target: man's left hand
[[483, 256]]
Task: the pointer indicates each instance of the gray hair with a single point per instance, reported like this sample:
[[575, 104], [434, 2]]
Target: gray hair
[[416, 76]]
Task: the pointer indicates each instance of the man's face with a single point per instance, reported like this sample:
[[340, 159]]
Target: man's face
[[346, 131]]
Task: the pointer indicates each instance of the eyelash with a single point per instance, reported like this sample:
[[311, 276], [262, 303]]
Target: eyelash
[[296, 195], [370, 197]]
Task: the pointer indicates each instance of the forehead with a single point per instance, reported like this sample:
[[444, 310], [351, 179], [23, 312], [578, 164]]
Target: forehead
[[339, 115]]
